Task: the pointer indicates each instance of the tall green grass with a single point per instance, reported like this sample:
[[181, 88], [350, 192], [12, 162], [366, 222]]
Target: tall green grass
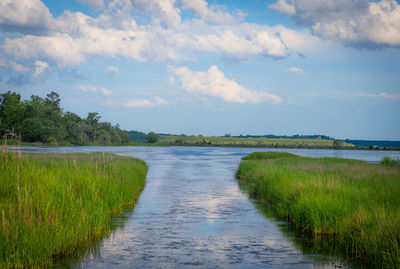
[[356, 202], [52, 204]]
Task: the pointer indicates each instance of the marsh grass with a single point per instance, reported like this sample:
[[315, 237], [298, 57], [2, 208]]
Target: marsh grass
[[53, 204], [390, 162], [356, 202], [250, 142]]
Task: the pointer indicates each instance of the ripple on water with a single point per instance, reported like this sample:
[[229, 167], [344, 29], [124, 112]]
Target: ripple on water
[[192, 214]]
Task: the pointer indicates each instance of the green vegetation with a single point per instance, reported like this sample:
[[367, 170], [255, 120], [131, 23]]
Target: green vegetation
[[51, 205], [356, 202], [390, 162], [138, 137], [249, 141], [151, 137], [42, 120]]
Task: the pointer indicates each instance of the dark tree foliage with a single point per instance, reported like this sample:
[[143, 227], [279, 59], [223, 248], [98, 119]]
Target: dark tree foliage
[[151, 137], [43, 120], [12, 112], [137, 136]]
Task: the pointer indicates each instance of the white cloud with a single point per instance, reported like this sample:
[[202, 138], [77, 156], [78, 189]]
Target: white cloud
[[295, 70], [60, 48], [213, 13], [283, 6], [26, 16], [158, 101], [214, 83], [355, 23], [14, 66], [18, 67], [162, 11], [389, 95], [93, 4], [75, 36], [94, 89], [378, 95], [112, 70], [40, 67]]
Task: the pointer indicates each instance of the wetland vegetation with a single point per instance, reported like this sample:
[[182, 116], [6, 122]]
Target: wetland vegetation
[[254, 141], [53, 204], [355, 202]]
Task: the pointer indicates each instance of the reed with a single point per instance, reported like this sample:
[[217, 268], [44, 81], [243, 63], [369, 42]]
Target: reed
[[356, 202], [52, 204]]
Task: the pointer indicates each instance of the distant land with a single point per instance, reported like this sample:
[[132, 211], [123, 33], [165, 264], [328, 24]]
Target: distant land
[[140, 137], [42, 121], [378, 143]]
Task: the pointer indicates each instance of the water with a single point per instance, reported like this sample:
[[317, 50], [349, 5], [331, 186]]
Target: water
[[192, 214]]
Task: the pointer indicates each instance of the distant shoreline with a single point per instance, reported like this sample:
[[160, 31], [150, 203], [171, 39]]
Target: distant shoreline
[[40, 144]]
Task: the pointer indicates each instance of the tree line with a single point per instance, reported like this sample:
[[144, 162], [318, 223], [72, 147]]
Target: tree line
[[43, 120]]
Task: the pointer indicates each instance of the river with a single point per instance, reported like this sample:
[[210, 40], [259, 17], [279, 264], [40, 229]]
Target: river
[[192, 214]]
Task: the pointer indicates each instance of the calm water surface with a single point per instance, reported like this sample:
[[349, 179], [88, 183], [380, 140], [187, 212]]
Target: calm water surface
[[192, 214]]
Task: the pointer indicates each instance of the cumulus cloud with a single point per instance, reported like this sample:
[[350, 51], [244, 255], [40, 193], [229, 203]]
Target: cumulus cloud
[[214, 83], [357, 23], [24, 16], [13, 66], [283, 6], [40, 68], [94, 89], [112, 71], [158, 101], [213, 13], [75, 36], [161, 11], [295, 70], [18, 67]]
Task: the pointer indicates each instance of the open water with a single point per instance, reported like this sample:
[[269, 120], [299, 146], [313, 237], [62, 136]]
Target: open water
[[193, 214]]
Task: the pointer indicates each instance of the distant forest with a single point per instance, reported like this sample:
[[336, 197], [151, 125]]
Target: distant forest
[[289, 136], [42, 120], [270, 136]]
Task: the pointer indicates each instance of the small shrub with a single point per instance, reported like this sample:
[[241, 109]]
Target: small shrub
[[390, 162]]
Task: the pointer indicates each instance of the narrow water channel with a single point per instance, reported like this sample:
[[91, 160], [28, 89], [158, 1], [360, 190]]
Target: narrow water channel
[[192, 214]]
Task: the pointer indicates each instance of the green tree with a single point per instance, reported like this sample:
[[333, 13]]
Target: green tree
[[151, 137], [42, 119], [33, 129], [12, 112]]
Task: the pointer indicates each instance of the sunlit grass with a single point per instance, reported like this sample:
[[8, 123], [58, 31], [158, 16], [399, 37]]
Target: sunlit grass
[[356, 202], [249, 141], [51, 204]]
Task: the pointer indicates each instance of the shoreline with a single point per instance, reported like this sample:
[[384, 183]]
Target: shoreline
[[353, 201], [39, 144], [54, 204]]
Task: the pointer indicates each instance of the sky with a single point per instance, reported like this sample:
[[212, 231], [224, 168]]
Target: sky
[[283, 67]]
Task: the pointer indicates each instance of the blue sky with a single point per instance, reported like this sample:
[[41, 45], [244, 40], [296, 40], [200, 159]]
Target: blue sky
[[212, 67]]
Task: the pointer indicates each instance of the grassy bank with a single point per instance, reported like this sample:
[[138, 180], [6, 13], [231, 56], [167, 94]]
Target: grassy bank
[[52, 204], [250, 142], [356, 202]]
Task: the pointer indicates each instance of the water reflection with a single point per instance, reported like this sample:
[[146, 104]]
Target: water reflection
[[315, 247], [92, 249], [192, 213]]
